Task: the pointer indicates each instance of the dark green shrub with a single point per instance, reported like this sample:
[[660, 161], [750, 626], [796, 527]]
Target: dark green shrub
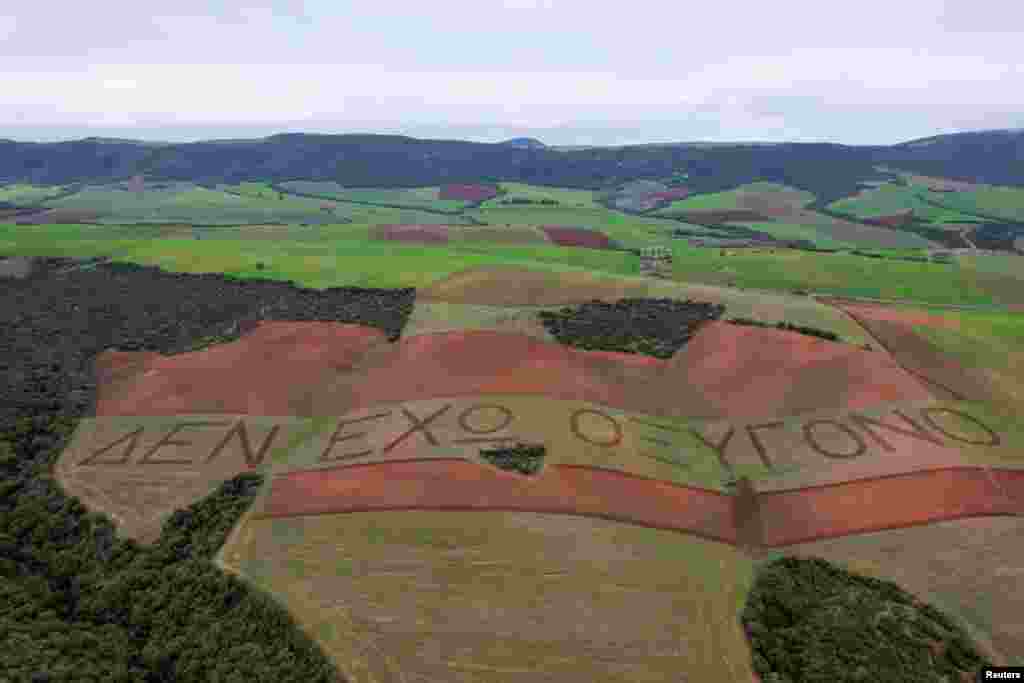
[[522, 458], [802, 329]]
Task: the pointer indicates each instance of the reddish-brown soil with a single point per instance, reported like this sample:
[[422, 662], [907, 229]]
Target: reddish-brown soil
[[301, 369], [469, 193], [499, 235], [772, 519], [424, 234], [895, 220], [892, 502], [752, 372], [256, 374], [565, 236], [891, 313], [461, 485], [673, 194]]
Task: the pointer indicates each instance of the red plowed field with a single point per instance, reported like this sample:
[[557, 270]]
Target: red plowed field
[[890, 313], [780, 518], [892, 502], [893, 220], [565, 236], [726, 371], [469, 193], [749, 372], [461, 485], [424, 234], [669, 195]]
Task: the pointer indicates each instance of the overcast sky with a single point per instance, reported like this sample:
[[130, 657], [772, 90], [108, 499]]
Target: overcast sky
[[565, 71]]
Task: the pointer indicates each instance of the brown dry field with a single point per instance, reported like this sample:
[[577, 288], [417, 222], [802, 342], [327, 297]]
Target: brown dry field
[[510, 286], [430, 317], [495, 235], [139, 493], [428, 234], [495, 597]]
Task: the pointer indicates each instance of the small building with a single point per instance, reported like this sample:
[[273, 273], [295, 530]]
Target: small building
[[654, 260]]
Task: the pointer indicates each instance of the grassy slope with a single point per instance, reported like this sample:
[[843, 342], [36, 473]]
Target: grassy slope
[[343, 255], [413, 198], [567, 198], [890, 199], [785, 230], [26, 194], [989, 340], [714, 200], [1006, 203], [241, 204], [597, 218], [836, 273], [823, 230]]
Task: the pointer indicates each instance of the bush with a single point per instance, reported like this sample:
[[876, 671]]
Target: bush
[[522, 458], [802, 329]]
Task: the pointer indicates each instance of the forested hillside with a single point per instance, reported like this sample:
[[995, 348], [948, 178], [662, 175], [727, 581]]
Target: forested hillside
[[829, 171]]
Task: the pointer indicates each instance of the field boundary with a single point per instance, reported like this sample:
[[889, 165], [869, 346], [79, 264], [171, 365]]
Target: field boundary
[[827, 298]]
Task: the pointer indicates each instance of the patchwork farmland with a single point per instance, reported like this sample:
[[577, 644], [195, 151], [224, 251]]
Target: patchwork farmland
[[282, 401]]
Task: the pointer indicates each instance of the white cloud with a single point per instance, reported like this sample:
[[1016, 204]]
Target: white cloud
[[793, 65]]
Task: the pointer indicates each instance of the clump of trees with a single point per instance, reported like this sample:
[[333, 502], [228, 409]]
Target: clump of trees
[[810, 622], [79, 603]]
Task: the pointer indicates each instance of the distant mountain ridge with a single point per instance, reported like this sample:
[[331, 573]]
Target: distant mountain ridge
[[524, 143], [365, 160]]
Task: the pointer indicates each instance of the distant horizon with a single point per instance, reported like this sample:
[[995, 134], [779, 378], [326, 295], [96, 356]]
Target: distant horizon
[[498, 134]]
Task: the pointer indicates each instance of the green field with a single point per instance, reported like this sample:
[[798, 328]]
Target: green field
[[597, 218], [567, 198], [890, 199], [228, 205], [793, 231], [413, 198], [701, 202], [1001, 264], [27, 194], [990, 340], [1005, 203], [839, 273], [343, 256]]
